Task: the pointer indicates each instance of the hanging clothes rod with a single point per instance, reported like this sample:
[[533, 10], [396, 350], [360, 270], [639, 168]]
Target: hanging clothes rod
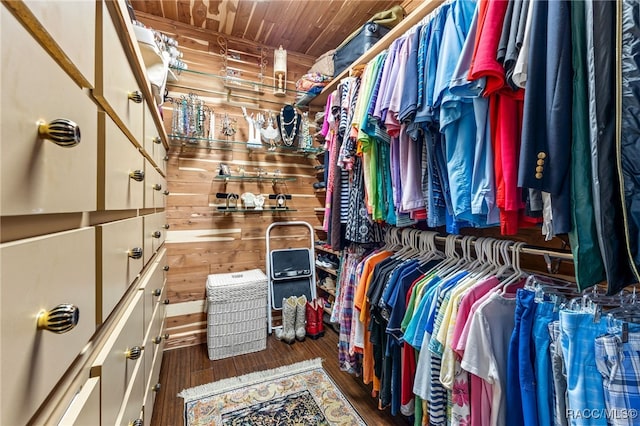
[[532, 250], [537, 251]]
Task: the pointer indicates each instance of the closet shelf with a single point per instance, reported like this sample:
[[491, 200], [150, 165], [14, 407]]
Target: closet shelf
[[273, 179], [328, 270], [233, 145], [327, 250], [327, 290]]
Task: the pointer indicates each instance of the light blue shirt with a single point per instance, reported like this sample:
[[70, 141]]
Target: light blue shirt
[[457, 117], [483, 188]]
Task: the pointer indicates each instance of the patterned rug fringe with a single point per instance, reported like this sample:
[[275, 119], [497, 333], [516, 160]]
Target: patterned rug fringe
[[231, 383]]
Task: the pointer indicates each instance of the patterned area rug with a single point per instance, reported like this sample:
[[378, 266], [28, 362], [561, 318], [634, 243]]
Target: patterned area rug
[[297, 394]]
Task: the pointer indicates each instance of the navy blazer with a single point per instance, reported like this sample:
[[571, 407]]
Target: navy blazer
[[545, 152]]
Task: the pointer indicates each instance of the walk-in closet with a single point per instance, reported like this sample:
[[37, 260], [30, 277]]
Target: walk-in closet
[[320, 212]]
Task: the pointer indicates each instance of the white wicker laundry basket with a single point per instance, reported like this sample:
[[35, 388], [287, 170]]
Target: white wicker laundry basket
[[236, 313]]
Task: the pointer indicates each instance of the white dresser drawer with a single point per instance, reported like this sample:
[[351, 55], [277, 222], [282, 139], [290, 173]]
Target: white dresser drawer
[[160, 155], [84, 410], [152, 284], [118, 244], [160, 221], [152, 140], [160, 197], [117, 361], [73, 26], [154, 233], [37, 175], [40, 274], [155, 338], [131, 409], [115, 81], [124, 180], [153, 383], [154, 188]]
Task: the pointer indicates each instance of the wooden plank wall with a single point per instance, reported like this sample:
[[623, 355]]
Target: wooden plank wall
[[202, 240]]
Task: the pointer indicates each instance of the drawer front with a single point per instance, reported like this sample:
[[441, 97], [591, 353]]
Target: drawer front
[[152, 384], [155, 338], [154, 187], [40, 274], [150, 184], [149, 229], [159, 197], [131, 409], [85, 407], [152, 285], [159, 154], [159, 220], [115, 80], [118, 266], [154, 234], [123, 184], [151, 136], [73, 26], [116, 370], [37, 175]]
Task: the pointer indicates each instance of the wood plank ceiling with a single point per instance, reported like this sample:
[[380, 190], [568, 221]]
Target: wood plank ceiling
[[310, 27]]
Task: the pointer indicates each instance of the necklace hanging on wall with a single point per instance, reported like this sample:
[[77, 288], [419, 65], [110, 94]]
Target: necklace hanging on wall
[[288, 121]]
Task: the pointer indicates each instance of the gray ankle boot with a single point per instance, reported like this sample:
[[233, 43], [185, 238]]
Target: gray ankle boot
[[301, 304], [287, 333]]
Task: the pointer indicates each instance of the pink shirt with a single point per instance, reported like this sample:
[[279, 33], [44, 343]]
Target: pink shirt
[[468, 305], [480, 398]]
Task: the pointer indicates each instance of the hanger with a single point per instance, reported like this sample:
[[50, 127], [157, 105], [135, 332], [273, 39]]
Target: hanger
[[618, 318], [628, 304], [471, 262], [389, 239], [492, 266], [460, 262], [402, 247], [507, 267], [486, 254], [428, 247], [450, 256], [479, 266], [412, 241], [476, 266], [518, 273]]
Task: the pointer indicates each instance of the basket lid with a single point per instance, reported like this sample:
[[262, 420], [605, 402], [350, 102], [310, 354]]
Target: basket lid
[[236, 278]]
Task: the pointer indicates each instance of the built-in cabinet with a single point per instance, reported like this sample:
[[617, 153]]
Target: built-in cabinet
[[82, 213]]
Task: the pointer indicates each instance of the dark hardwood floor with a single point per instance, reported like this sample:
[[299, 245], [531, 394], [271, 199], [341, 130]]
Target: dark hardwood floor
[[187, 367]]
